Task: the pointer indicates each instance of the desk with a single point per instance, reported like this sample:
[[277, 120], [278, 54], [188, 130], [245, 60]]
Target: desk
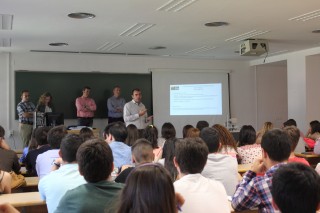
[[32, 181], [96, 132], [243, 168], [312, 158]]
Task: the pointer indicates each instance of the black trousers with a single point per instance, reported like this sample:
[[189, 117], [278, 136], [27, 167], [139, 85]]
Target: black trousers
[[85, 121]]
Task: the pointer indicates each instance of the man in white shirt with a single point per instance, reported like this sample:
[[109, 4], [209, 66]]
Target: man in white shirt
[[220, 167], [201, 194], [135, 112]]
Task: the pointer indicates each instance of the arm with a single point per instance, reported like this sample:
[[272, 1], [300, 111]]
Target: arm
[[110, 106], [79, 106], [3, 144], [22, 112], [16, 165], [92, 105]]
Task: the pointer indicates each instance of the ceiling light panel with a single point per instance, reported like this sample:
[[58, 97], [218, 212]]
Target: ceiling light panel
[[306, 16], [108, 46], [200, 50], [175, 5], [6, 21], [247, 35], [5, 42], [136, 29]]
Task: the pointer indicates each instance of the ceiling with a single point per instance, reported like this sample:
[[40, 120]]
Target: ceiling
[[36, 23]]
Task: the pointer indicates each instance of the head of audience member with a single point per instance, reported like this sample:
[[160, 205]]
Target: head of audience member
[[116, 91], [86, 133], [2, 132], [133, 134], [190, 156], [33, 144], [151, 134], [315, 128], [296, 189], [142, 152], [247, 135], [41, 135], [185, 130], [148, 188], [266, 127], [69, 147], [290, 122], [168, 163], [136, 95], [25, 95], [211, 137], [193, 133], [294, 136], [116, 131], [141, 133], [168, 131], [86, 91], [55, 136], [95, 160], [45, 99], [276, 147], [225, 137], [202, 124]]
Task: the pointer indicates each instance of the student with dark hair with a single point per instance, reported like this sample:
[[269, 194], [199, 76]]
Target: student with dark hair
[[86, 107], [296, 189], [313, 138], [248, 151], [115, 134], [44, 160], [133, 134], [201, 194], [202, 124], [169, 149], [86, 133], [294, 136], [151, 134], [300, 147], [220, 167], [167, 131], [148, 188], [3, 143], [142, 152], [40, 134], [65, 173], [95, 165], [254, 191], [185, 130], [290, 122]]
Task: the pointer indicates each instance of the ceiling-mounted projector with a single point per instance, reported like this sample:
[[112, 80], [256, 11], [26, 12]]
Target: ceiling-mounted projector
[[254, 47]]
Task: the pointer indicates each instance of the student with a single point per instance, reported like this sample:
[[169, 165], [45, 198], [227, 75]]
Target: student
[[296, 189], [185, 130], [95, 164], [133, 134], [202, 124], [220, 167], [151, 134], [66, 175], [201, 194], [228, 143], [254, 191], [5, 182]]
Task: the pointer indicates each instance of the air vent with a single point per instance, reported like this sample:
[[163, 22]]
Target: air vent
[[247, 35], [306, 16], [136, 29], [175, 5]]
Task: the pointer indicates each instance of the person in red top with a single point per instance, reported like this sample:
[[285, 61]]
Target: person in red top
[[85, 108], [294, 136]]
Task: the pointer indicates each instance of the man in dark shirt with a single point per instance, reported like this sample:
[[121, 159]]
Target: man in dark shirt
[[142, 152]]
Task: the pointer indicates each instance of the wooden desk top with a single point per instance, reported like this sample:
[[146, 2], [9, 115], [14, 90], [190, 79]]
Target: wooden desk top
[[307, 155], [22, 199], [242, 168], [32, 181]]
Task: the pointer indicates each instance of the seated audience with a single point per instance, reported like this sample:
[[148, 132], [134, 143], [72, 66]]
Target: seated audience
[[8, 159], [248, 151], [220, 167], [86, 133], [133, 134], [294, 135], [266, 127], [167, 131], [66, 175], [254, 191], [318, 168], [202, 124], [151, 134], [44, 160], [185, 130], [7, 208], [296, 189], [95, 164], [149, 188], [115, 135], [313, 136], [169, 148], [311, 126], [32, 146], [193, 133], [228, 143], [142, 152], [42, 146], [5, 182], [301, 146], [201, 194]]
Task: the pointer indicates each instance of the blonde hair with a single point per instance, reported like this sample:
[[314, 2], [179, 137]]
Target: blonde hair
[[225, 137]]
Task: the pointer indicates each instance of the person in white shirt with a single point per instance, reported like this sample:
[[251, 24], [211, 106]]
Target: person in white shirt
[[201, 194]]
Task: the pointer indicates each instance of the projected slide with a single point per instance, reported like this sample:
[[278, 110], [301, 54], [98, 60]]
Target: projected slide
[[196, 99]]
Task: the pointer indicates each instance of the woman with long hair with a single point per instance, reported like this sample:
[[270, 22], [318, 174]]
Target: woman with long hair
[[267, 126], [228, 143], [151, 134], [45, 103]]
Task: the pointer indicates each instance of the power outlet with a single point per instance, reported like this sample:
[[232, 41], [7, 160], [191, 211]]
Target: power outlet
[[11, 133]]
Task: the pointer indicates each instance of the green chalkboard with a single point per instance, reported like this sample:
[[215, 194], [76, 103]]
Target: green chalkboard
[[65, 87]]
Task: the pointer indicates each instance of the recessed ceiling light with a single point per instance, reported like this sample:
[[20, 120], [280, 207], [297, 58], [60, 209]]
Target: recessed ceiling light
[[216, 24], [157, 48], [81, 15], [58, 44], [316, 31]]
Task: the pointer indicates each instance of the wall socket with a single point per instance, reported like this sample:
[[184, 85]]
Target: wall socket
[[11, 133]]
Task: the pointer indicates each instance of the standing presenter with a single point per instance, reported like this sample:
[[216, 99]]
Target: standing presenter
[[115, 106], [85, 108]]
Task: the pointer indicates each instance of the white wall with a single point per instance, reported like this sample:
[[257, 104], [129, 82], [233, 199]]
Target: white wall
[[241, 92]]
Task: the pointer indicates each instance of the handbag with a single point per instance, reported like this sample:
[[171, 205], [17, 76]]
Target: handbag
[[17, 180]]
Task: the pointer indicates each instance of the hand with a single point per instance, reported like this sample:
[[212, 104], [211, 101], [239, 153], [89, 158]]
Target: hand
[[258, 166], [142, 112], [149, 118], [180, 201], [7, 208]]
